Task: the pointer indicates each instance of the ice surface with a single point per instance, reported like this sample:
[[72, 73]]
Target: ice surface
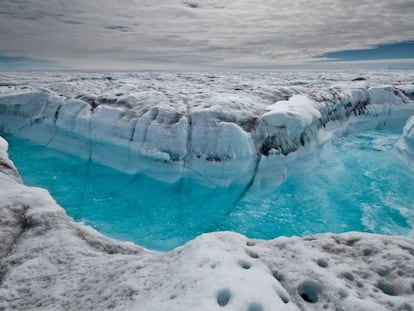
[[220, 129]]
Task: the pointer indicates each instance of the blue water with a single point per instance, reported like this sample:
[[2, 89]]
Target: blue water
[[357, 184]]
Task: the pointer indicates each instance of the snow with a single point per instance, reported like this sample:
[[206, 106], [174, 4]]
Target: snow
[[217, 128]]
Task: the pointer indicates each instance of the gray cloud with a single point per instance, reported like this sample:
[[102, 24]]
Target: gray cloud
[[138, 33]]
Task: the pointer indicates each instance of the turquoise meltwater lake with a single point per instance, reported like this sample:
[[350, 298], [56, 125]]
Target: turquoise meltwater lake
[[357, 183]]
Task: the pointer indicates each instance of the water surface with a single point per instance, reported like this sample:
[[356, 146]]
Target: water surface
[[357, 184]]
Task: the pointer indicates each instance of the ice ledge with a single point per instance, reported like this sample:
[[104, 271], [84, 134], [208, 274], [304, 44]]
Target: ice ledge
[[47, 261], [226, 138], [406, 144], [7, 168]]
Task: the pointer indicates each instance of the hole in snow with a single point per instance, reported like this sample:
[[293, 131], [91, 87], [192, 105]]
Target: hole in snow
[[283, 295], [223, 297], [348, 275], [322, 263], [244, 264], [191, 5], [367, 251], [254, 307], [278, 276], [252, 254], [250, 243], [387, 288], [309, 291], [383, 272]]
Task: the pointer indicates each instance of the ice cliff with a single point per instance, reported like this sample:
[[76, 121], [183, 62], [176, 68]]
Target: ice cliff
[[216, 128], [49, 262], [406, 144]]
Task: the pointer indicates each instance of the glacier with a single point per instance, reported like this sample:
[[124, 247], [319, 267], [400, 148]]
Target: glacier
[[249, 129]]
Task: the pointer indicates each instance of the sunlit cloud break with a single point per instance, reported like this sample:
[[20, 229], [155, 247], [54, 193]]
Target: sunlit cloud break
[[400, 50]]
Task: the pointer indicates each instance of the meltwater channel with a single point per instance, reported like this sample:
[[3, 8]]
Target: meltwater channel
[[357, 183]]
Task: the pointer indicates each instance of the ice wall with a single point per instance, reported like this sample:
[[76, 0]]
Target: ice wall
[[6, 166], [246, 135], [406, 144]]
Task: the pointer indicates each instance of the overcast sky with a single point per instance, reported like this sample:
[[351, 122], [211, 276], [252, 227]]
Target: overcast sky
[[134, 34]]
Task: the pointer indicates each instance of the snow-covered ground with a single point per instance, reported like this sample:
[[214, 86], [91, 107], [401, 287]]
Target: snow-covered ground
[[48, 262], [218, 128], [246, 128]]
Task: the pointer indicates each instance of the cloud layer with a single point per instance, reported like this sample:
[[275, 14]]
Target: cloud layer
[[206, 33]]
